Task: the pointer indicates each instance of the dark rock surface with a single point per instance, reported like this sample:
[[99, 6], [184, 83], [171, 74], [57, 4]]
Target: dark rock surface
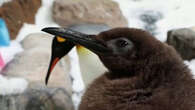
[[16, 12], [71, 12], [150, 18], [183, 40]]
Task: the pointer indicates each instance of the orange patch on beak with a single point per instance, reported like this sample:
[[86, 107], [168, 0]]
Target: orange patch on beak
[[54, 63]]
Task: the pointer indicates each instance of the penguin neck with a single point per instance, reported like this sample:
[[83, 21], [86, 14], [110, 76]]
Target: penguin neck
[[165, 73]]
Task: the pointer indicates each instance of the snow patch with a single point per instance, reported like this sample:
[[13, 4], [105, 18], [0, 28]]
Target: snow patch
[[12, 85], [43, 17], [191, 65], [176, 14]]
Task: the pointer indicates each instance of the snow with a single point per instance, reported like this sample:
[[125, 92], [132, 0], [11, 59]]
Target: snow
[[191, 65], [176, 13], [12, 85]]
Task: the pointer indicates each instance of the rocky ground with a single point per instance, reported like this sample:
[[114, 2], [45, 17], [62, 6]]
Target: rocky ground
[[28, 68]]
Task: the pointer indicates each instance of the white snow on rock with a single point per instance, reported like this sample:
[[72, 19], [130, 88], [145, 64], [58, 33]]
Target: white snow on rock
[[12, 85]]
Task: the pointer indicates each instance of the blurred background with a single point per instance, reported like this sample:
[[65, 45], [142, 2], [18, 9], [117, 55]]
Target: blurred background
[[25, 51]]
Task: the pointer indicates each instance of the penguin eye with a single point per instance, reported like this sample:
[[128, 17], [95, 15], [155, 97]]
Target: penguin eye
[[121, 43]]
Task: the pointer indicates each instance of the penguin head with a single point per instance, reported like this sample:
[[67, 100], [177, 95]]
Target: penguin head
[[60, 47], [130, 49], [121, 49]]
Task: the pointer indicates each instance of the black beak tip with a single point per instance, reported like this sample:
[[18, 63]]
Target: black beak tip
[[46, 82], [49, 29], [45, 29]]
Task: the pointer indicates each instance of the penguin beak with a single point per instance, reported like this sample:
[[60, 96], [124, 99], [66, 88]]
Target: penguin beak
[[60, 47], [52, 64], [85, 40]]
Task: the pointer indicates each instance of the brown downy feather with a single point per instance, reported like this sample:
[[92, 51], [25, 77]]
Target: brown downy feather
[[152, 77]]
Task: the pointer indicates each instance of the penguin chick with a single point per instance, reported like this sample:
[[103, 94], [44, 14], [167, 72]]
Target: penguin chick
[[144, 74]]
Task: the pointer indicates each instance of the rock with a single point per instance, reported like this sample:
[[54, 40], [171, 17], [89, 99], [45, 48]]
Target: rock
[[90, 28], [37, 40], [38, 99], [150, 18], [71, 12], [33, 62], [183, 40], [89, 69], [16, 12]]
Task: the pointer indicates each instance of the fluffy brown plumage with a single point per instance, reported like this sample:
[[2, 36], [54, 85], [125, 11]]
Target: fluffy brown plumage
[[149, 76]]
